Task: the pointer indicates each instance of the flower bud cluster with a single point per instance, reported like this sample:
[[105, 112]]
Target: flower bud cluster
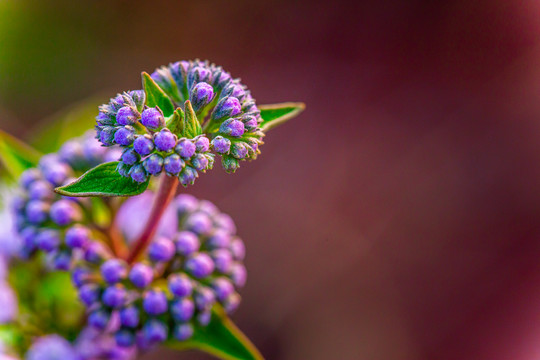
[[48, 222], [171, 290], [223, 106]]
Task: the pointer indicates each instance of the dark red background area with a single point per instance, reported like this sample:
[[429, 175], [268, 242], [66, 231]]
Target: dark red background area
[[398, 216]]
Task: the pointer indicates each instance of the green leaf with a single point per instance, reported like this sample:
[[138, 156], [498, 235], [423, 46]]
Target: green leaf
[[103, 180], [155, 96], [276, 114], [220, 338], [176, 123], [15, 155], [192, 127]]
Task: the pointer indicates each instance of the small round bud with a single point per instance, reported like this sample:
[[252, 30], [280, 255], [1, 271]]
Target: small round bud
[[199, 265], [155, 302], [234, 90], [95, 252], [29, 176], [225, 222], [223, 288], [130, 156], [138, 173], [173, 164], [180, 285], [48, 240], [99, 319], [221, 145], [201, 95], [141, 275], [250, 122], [153, 119], [199, 223], [219, 239], [183, 331], [124, 338], [238, 275], [105, 118], [185, 203], [223, 260], [61, 260], [80, 276], [186, 243], [114, 296], [64, 212], [227, 107], [199, 74], [231, 302], [230, 164], [202, 144], [155, 331], [161, 249], [129, 317], [238, 249], [199, 162], [239, 150], [232, 127], [126, 116], [113, 270], [143, 145], [124, 136], [89, 294], [182, 309], [153, 164], [185, 148], [204, 317], [165, 140], [187, 175], [204, 298], [106, 135], [40, 190], [71, 152], [49, 347]]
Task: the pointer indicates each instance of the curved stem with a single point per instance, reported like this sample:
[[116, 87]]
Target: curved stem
[[166, 191]]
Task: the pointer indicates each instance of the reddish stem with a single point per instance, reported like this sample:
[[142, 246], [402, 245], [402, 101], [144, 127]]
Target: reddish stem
[[166, 192]]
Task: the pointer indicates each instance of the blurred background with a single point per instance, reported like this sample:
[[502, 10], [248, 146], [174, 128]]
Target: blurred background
[[399, 216]]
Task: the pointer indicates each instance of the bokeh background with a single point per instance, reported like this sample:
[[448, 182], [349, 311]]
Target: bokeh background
[[399, 216]]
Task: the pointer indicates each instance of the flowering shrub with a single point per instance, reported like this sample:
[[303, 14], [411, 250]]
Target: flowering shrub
[[91, 270]]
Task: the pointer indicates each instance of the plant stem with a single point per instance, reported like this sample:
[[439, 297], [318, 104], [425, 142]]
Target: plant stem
[[166, 191]]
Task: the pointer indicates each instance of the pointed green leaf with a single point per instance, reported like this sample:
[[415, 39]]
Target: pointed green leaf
[[176, 123], [15, 155], [220, 338], [103, 180], [155, 96], [192, 126], [276, 114]]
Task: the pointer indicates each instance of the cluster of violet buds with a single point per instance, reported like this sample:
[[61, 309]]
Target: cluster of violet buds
[[224, 108]]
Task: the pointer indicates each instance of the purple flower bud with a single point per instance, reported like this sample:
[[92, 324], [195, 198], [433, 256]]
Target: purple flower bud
[[182, 309], [219, 239], [187, 175], [185, 203], [199, 265], [40, 190], [186, 243], [153, 164], [199, 74], [89, 294], [138, 97], [155, 331], [202, 144], [173, 164], [71, 152], [227, 107], [92, 150], [56, 173], [95, 252], [221, 78], [204, 298], [105, 118], [61, 260], [180, 285], [36, 211], [114, 154], [143, 145], [64, 212], [153, 119], [199, 223], [165, 140], [130, 156], [138, 173], [208, 208], [129, 317], [183, 331], [126, 116], [222, 287], [161, 249], [106, 135], [225, 222], [113, 270], [99, 319], [238, 275], [125, 135], [114, 296], [250, 122], [230, 164], [29, 176], [141, 275], [80, 276], [200, 162], [185, 148], [232, 127], [221, 145], [204, 317], [155, 302], [223, 260], [235, 90], [48, 240], [124, 338], [179, 72], [231, 303], [50, 347], [238, 249], [201, 95], [117, 102]]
